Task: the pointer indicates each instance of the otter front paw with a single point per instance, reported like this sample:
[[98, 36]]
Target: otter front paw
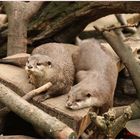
[[42, 98]]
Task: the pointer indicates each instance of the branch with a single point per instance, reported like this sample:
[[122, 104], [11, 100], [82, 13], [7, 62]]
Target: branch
[[110, 125], [126, 55], [32, 8], [37, 91], [119, 27], [16, 137], [28, 96], [49, 125]]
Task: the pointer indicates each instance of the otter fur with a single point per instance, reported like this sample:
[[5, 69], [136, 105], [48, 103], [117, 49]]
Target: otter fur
[[52, 62], [96, 76]]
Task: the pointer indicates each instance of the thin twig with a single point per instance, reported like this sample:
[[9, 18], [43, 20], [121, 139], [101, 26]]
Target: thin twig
[[37, 91], [117, 27]]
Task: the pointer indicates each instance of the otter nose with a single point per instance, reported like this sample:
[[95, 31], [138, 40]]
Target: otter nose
[[29, 67]]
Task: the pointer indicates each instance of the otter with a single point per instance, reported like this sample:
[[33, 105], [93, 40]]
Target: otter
[[51, 62], [96, 77]]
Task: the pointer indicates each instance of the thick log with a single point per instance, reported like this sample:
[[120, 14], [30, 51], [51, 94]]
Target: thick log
[[15, 78], [18, 82], [69, 19], [63, 21], [19, 14], [16, 137], [18, 59], [49, 125]]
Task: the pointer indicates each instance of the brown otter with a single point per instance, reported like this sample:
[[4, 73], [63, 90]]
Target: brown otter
[[96, 75], [52, 62]]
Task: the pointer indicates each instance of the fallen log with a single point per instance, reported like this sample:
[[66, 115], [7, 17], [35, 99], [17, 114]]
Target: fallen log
[[28, 96], [16, 137], [49, 125]]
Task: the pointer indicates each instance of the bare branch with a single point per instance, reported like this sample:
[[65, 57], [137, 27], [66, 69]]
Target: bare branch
[[32, 8], [110, 125], [37, 91], [125, 55], [119, 27], [28, 96]]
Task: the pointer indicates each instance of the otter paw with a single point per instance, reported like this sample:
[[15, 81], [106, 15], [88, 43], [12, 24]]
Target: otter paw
[[42, 98]]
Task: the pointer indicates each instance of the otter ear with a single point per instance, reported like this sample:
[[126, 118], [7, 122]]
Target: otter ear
[[78, 41], [49, 64]]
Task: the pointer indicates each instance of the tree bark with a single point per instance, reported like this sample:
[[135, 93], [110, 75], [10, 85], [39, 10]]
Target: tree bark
[[49, 125], [67, 20], [63, 21], [19, 14]]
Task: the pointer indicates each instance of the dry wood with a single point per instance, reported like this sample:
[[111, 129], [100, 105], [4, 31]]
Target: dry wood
[[15, 137], [37, 91], [28, 96], [78, 120], [121, 18], [17, 26], [110, 125], [49, 125], [18, 82], [18, 59], [63, 21], [119, 27]]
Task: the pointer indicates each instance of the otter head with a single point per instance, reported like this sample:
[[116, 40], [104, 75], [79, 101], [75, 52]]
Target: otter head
[[81, 97], [37, 64]]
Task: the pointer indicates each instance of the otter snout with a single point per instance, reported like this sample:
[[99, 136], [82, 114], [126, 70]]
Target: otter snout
[[68, 104], [30, 67]]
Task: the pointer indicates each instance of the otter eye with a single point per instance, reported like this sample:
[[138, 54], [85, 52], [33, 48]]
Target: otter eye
[[38, 64], [27, 61], [88, 95], [138, 51], [49, 63], [78, 100]]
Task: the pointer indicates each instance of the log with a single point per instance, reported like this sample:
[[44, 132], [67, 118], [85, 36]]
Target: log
[[16, 137], [28, 97], [37, 91], [49, 125], [17, 26], [77, 120], [63, 21], [15, 78], [18, 59], [18, 82]]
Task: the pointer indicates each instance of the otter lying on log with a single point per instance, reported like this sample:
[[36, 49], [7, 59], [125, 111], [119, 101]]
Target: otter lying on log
[[52, 62], [96, 76]]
